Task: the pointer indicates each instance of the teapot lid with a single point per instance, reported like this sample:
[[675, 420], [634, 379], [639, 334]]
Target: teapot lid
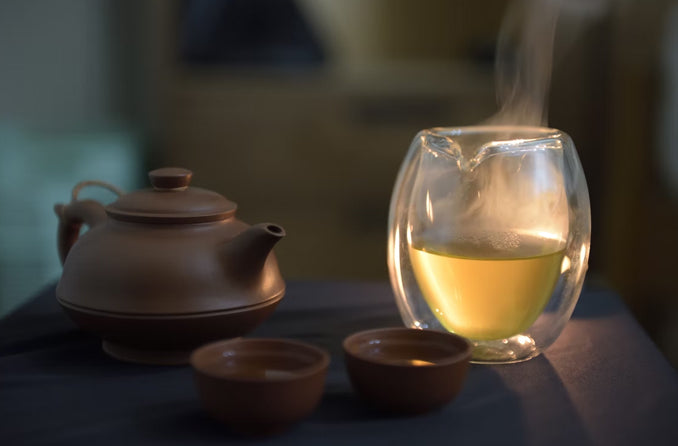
[[171, 200]]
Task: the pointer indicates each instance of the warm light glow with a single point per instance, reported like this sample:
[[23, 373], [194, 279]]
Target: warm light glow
[[524, 340], [429, 206], [547, 235], [420, 362], [566, 264], [582, 254]]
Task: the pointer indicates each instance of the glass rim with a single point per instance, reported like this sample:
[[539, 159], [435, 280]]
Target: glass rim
[[521, 131]]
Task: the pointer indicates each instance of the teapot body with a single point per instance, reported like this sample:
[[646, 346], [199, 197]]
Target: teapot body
[[164, 270]]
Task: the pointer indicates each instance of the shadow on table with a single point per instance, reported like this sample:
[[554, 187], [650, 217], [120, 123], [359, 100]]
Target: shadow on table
[[195, 425], [342, 417], [484, 397], [596, 303], [545, 397]]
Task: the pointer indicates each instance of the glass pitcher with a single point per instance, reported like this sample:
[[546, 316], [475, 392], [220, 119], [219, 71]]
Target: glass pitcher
[[489, 234]]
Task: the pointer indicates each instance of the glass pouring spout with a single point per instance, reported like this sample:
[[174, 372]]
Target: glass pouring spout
[[470, 148]]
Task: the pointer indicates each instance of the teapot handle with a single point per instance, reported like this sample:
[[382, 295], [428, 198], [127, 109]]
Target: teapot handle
[[73, 215]]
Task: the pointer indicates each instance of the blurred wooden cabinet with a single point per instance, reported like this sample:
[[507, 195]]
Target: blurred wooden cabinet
[[315, 153], [641, 215], [314, 149]]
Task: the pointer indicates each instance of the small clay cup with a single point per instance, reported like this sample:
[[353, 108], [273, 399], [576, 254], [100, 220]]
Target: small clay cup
[[259, 386], [407, 371]]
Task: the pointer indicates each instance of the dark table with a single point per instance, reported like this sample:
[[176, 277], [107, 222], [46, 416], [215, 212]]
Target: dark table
[[602, 382]]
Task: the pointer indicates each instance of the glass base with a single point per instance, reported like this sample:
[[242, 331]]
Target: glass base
[[517, 348]]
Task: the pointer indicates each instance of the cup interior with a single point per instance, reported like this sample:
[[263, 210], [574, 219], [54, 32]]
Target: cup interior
[[408, 347], [259, 359]]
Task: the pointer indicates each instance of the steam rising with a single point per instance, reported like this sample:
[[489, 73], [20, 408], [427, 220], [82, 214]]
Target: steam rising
[[525, 49], [499, 187], [524, 60]]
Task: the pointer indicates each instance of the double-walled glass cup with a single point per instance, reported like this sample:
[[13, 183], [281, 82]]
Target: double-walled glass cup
[[489, 234]]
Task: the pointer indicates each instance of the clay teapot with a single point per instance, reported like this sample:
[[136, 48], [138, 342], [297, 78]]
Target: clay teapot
[[163, 270]]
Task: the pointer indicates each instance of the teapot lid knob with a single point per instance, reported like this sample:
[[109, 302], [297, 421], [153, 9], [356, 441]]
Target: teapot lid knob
[[170, 178]]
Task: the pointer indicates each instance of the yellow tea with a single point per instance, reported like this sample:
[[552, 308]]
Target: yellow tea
[[484, 293]]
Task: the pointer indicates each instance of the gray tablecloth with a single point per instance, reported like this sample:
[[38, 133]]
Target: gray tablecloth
[[602, 382]]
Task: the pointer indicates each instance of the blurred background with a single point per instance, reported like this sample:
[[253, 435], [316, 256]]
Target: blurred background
[[301, 111]]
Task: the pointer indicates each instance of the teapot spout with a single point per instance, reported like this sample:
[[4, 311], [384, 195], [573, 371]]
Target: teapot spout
[[245, 255]]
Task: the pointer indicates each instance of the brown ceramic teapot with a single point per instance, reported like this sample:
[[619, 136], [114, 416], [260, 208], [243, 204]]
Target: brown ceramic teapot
[[163, 270]]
